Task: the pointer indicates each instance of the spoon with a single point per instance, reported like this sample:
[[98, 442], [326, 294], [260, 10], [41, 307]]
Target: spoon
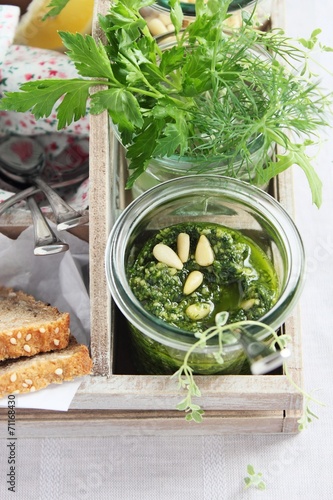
[[261, 358], [22, 160], [46, 242]]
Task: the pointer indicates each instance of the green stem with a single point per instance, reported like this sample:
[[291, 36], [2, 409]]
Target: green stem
[[155, 95], [299, 389], [213, 331]]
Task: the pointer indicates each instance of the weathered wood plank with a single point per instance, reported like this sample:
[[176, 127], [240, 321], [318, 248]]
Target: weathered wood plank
[[40, 424]]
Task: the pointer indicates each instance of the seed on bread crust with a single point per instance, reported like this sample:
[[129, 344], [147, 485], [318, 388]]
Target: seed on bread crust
[[27, 348], [56, 341]]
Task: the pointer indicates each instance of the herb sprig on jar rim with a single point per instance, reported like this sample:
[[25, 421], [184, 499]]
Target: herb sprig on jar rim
[[211, 96]]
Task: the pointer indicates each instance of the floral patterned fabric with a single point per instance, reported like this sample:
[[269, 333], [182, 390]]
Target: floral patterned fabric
[[65, 149]]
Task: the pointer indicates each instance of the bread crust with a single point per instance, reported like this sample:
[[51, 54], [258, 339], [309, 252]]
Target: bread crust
[[28, 326], [32, 374]]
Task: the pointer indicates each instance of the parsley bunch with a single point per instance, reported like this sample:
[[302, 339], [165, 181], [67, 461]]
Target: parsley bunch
[[212, 95]]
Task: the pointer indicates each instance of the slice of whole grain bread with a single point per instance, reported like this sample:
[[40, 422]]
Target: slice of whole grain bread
[[28, 326], [29, 374]]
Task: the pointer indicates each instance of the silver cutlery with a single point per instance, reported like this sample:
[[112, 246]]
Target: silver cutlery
[[46, 241], [27, 170]]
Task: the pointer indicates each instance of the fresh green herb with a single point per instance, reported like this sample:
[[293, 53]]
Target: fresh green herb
[[308, 415], [185, 373], [223, 330], [211, 95], [254, 479]]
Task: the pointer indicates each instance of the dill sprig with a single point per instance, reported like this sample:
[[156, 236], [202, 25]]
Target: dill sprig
[[222, 331]]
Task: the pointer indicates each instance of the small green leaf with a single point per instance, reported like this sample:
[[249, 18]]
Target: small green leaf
[[41, 96], [183, 405], [73, 106], [296, 157], [90, 57], [325, 48], [176, 14], [250, 470], [254, 479], [167, 145], [195, 407], [121, 105], [261, 486], [172, 59], [197, 416], [221, 318]]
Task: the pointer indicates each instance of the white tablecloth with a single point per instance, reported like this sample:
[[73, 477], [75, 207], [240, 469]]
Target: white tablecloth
[[213, 468]]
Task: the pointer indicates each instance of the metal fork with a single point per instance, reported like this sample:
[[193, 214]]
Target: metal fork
[[46, 241]]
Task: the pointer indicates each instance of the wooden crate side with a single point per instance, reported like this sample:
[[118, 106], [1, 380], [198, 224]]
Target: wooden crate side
[[39, 424], [101, 187], [223, 392]]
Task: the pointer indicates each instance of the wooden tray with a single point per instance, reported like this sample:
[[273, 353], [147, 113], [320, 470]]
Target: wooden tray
[[114, 399]]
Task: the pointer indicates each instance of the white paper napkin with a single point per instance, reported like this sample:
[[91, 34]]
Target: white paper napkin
[[60, 280]]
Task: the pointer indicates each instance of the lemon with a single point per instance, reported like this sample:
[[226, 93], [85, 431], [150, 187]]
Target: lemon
[[33, 31]]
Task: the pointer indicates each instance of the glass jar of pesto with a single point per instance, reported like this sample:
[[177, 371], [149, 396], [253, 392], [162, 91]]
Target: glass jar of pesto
[[250, 235]]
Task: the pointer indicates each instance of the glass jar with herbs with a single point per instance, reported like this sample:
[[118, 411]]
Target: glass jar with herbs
[[157, 99]]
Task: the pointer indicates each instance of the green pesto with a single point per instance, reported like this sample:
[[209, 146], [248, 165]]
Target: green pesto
[[241, 271], [151, 357]]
